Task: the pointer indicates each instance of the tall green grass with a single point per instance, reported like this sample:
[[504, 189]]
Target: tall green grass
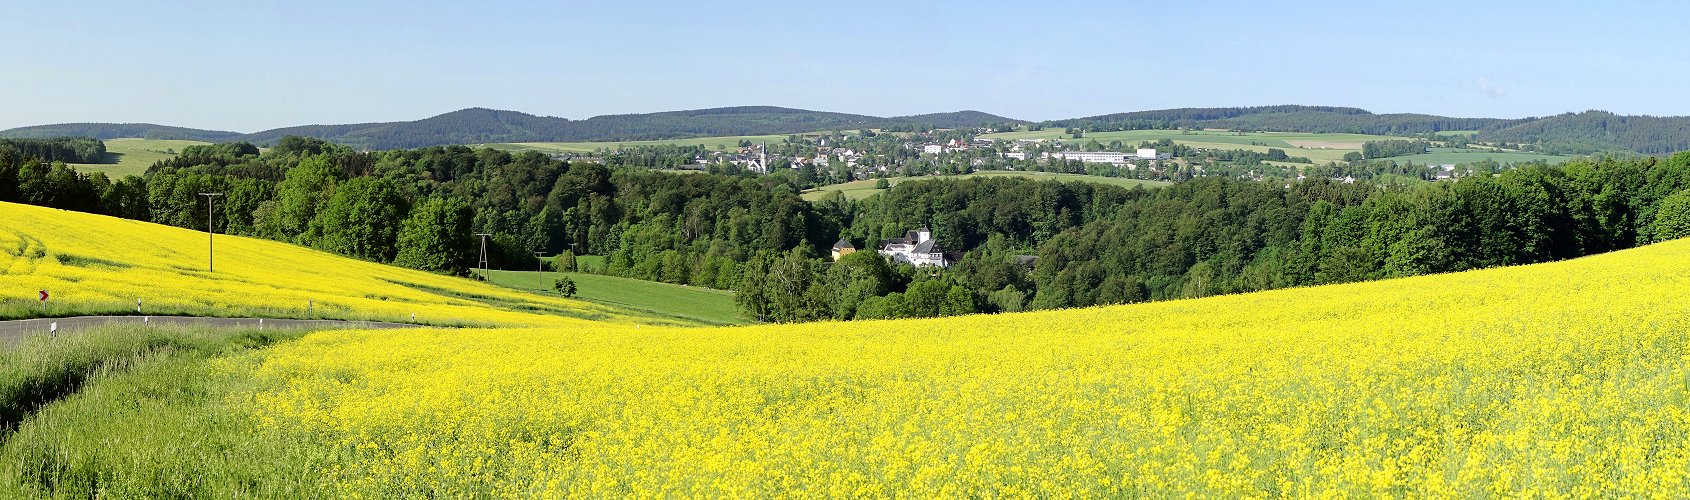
[[140, 412]]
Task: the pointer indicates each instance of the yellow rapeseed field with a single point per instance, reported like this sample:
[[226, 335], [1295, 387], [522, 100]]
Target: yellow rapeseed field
[[1566, 379], [98, 264]]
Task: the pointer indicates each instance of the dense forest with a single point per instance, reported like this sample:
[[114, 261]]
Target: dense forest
[[118, 131], [419, 208], [61, 149], [1017, 243], [1593, 131], [1288, 118], [480, 125], [1392, 147]]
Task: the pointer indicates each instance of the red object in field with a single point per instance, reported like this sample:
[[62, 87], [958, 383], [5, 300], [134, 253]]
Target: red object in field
[[43, 295]]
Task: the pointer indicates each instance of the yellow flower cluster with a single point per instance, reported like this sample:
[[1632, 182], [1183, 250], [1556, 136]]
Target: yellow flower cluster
[[1565, 379], [97, 264]]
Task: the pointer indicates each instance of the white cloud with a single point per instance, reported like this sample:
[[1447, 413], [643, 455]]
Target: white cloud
[[1489, 89]]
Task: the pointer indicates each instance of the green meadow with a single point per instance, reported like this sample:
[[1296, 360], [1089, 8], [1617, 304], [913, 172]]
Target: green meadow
[[698, 304], [1458, 156], [125, 157]]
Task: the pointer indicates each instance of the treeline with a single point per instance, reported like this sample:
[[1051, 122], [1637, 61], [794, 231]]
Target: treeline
[[1106, 245], [1595, 131], [1018, 244], [60, 149], [420, 208], [1290, 118], [1392, 147], [31, 181]]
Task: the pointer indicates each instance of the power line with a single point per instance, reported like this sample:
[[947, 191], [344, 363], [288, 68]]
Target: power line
[[483, 262], [210, 248]]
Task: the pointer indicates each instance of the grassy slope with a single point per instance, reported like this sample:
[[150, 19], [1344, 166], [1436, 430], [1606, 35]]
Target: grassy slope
[[95, 411], [703, 305], [133, 156], [1318, 147], [865, 188], [1458, 383], [95, 264], [1554, 379], [1457, 156]]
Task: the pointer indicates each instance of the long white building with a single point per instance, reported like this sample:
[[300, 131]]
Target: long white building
[[1092, 156]]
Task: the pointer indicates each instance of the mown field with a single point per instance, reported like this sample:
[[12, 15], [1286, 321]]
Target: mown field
[[92, 264], [1439, 156], [127, 157], [687, 303], [1564, 379], [857, 190]]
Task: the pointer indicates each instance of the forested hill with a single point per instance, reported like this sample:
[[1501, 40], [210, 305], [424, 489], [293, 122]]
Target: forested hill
[[1572, 133], [1314, 119], [118, 130], [480, 125], [1598, 130]]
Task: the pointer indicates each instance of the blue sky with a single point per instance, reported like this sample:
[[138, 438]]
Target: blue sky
[[248, 66]]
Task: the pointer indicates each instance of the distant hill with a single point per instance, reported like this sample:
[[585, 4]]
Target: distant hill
[[118, 130], [1598, 130], [480, 125], [1571, 133], [1578, 133], [1311, 119]]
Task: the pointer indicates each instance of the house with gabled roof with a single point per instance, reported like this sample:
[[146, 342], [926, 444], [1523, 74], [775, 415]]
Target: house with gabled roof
[[842, 248], [916, 248]]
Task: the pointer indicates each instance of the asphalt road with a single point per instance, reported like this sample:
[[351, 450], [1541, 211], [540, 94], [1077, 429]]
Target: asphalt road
[[12, 331]]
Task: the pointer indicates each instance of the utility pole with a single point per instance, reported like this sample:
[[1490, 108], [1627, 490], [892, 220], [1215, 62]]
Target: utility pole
[[540, 266], [210, 249], [483, 262]]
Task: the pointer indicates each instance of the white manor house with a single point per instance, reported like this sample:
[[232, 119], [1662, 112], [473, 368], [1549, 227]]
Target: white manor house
[[917, 248]]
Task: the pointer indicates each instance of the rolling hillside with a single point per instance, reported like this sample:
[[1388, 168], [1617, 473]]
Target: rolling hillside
[[1557, 379], [92, 264], [1575, 133], [1570, 133], [480, 125]]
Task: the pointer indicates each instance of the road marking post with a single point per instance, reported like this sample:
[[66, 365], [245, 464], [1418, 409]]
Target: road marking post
[[53, 329], [137, 306]]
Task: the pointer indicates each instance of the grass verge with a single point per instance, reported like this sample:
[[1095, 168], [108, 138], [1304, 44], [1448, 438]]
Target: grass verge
[[139, 412]]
